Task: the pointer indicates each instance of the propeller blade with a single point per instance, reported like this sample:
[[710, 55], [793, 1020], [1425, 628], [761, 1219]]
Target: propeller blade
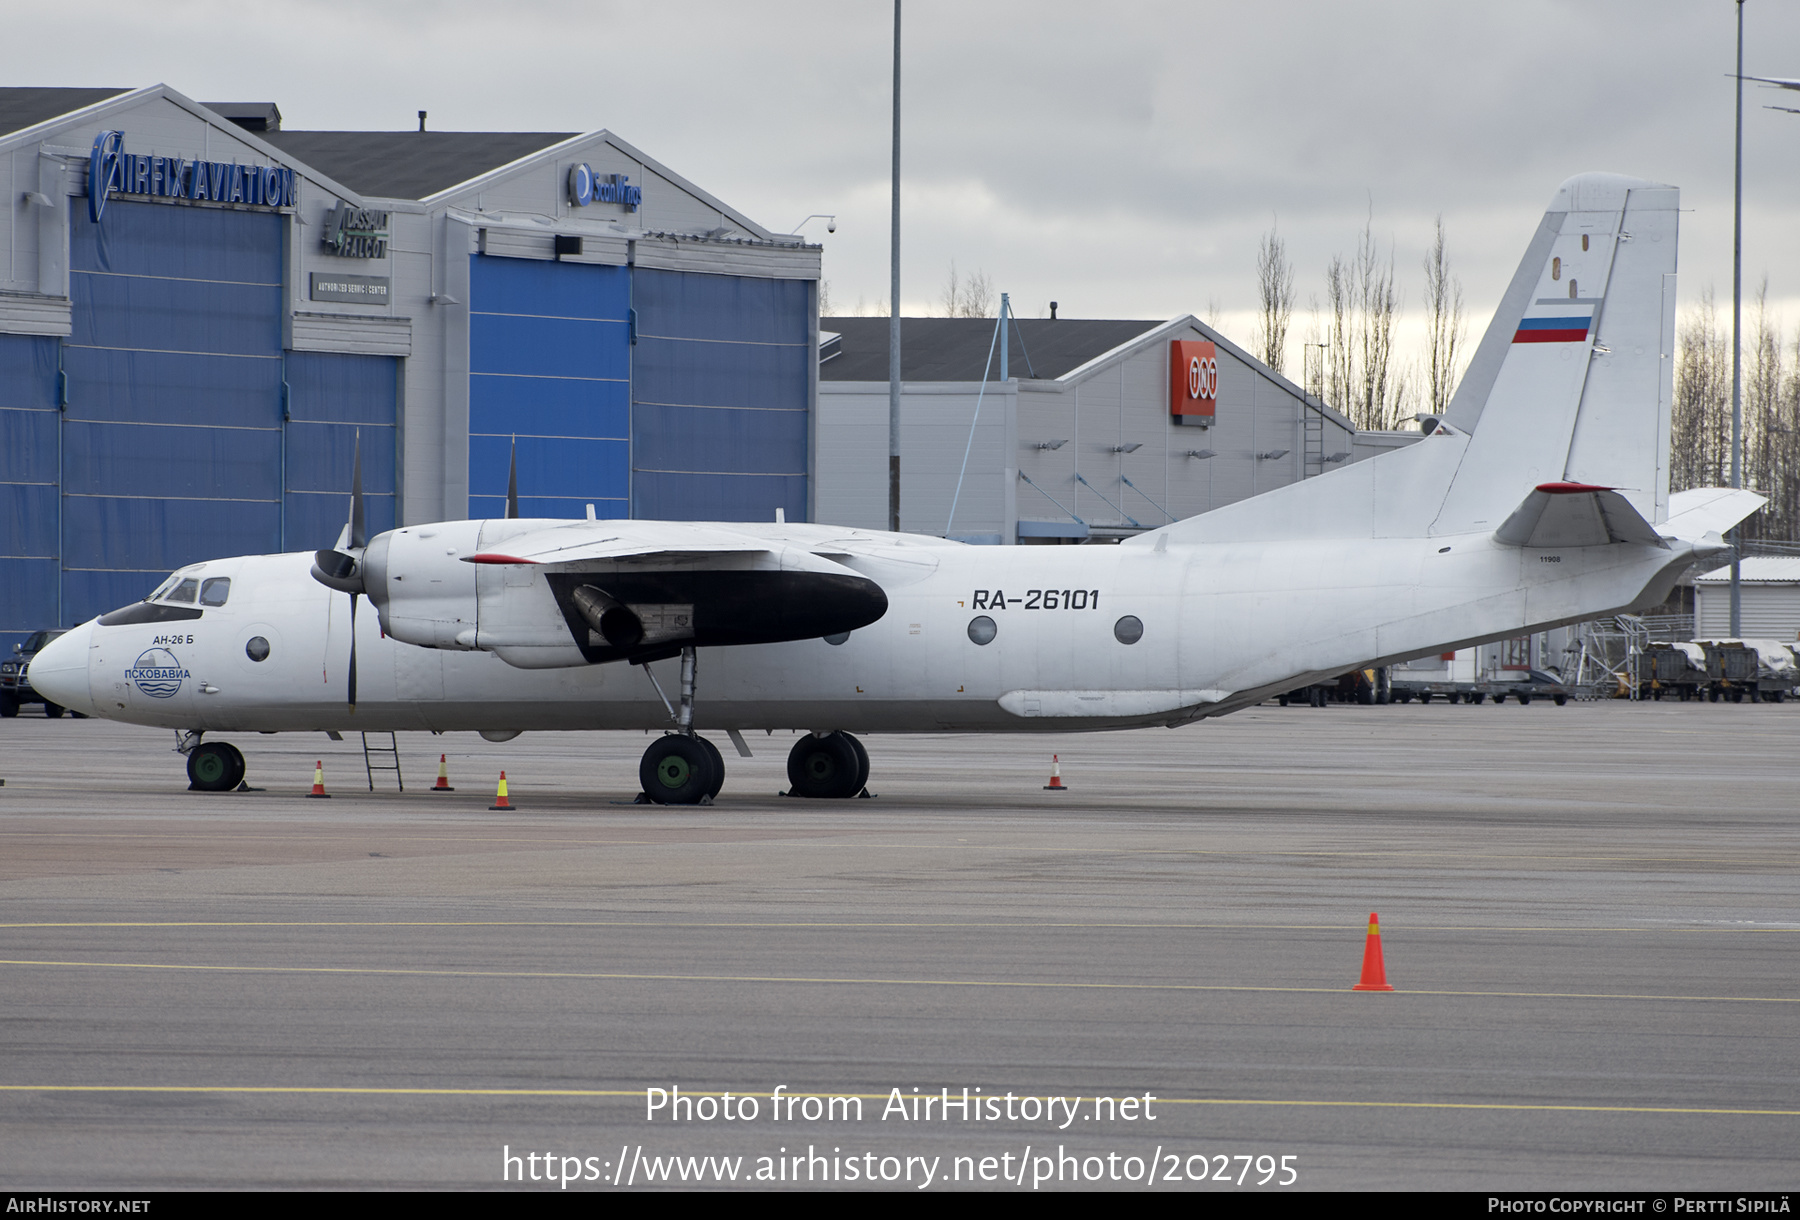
[[359, 534], [512, 483], [353, 654]]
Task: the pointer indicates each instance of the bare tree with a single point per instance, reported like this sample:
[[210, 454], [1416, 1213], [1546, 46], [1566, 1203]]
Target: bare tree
[[978, 296], [1770, 437], [1275, 292], [1361, 304], [950, 300], [1700, 424], [1445, 327], [971, 298], [825, 298]]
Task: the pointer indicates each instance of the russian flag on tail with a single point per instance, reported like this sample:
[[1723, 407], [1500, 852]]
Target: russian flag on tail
[[1556, 321]]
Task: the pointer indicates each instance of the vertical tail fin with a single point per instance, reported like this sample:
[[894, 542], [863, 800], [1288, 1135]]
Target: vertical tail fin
[[1572, 381]]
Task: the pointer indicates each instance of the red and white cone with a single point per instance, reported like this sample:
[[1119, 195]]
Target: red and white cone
[[1374, 974], [318, 788], [500, 801], [443, 784], [1055, 784]]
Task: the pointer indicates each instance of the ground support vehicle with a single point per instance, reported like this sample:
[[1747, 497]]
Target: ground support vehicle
[[15, 684], [1731, 669], [1677, 670]]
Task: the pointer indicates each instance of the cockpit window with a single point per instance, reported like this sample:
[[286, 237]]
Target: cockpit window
[[215, 590], [162, 590], [183, 592]]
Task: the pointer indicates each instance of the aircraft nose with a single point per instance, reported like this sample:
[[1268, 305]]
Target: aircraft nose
[[60, 671]]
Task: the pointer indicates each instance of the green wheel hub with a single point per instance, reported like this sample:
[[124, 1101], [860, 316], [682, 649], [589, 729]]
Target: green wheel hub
[[209, 768], [674, 771]]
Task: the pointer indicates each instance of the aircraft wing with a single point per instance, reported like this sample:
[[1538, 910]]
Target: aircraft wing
[[1575, 514], [609, 542], [1782, 81]]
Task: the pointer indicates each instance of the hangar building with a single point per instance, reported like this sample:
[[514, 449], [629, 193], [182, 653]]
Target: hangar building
[[201, 312], [1089, 430]]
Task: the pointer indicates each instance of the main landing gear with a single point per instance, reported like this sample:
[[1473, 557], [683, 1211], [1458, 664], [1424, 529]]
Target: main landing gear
[[828, 765], [684, 768], [681, 768]]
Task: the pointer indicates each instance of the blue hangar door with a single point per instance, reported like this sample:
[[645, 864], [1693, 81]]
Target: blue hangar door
[[650, 394], [170, 427]]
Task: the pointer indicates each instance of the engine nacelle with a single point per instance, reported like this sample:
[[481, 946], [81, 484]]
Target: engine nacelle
[[549, 615], [422, 590]]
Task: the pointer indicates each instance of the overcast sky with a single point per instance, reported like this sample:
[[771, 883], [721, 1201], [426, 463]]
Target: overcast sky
[[1122, 159]]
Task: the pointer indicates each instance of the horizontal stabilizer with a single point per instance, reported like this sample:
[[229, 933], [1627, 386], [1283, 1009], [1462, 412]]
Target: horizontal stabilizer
[[1701, 511], [1575, 514]]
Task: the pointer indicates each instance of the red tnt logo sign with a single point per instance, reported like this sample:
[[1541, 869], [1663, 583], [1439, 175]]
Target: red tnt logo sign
[[1193, 378]]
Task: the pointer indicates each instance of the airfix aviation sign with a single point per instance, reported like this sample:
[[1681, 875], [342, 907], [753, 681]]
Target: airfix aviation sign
[[1193, 379]]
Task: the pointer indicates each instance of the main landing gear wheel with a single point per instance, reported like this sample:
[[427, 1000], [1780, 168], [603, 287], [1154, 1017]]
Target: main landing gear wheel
[[718, 766], [216, 766], [831, 767], [680, 770]]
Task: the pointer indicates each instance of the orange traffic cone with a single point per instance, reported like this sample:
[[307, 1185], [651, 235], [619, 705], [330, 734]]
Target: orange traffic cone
[[1055, 784], [443, 784], [1374, 975], [500, 801], [319, 781]]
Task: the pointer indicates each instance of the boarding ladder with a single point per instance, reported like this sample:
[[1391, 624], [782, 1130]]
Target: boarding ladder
[[379, 757]]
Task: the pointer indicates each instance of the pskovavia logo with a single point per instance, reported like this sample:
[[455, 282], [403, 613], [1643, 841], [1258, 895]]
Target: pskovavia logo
[[157, 673]]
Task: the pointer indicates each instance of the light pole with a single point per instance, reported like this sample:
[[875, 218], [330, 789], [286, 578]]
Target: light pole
[[894, 308], [1737, 346]]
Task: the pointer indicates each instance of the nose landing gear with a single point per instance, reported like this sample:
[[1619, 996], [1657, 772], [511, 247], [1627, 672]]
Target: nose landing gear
[[216, 766]]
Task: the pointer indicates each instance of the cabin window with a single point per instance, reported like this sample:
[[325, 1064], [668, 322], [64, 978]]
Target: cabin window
[[982, 629], [1128, 630]]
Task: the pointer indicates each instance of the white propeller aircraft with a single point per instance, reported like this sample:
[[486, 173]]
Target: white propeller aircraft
[[1541, 498]]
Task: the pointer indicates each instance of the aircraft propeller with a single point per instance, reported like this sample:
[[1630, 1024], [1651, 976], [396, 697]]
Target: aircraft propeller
[[341, 567]]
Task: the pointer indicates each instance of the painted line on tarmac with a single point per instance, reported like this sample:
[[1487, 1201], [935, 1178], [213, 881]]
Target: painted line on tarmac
[[578, 975], [1358, 927], [372, 1091]]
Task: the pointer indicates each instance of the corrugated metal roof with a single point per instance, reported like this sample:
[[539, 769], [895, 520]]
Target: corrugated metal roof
[[1757, 569], [21, 108], [409, 164], [956, 349]]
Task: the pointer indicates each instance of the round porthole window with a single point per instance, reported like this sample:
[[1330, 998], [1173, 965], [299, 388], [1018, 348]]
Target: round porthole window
[[982, 629], [257, 649], [1129, 630], [837, 637]]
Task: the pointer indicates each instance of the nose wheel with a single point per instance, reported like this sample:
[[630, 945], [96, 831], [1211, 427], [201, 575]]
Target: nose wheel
[[216, 766]]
